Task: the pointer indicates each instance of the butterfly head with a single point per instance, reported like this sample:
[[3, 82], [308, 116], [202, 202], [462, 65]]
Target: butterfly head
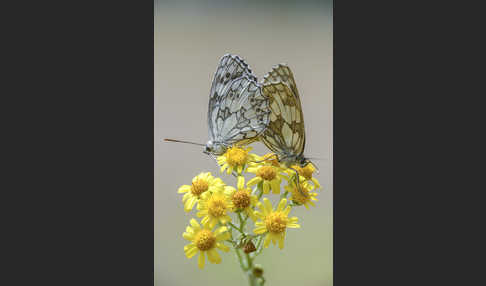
[[215, 148], [303, 161]]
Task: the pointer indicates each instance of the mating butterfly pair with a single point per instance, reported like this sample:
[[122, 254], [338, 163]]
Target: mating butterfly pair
[[241, 111]]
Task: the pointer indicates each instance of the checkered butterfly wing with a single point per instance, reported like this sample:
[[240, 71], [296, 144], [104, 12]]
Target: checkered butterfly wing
[[285, 134], [282, 73], [237, 112]]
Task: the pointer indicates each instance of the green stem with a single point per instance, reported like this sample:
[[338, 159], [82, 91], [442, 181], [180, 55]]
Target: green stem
[[251, 276], [240, 259], [237, 228], [242, 224], [247, 263]]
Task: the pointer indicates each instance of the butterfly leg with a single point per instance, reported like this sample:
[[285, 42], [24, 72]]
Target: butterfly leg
[[298, 182], [266, 159]]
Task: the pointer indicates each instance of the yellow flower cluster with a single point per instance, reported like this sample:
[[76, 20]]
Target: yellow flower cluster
[[224, 210]]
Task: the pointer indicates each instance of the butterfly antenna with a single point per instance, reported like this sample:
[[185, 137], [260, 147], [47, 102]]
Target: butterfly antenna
[[298, 182], [317, 158], [182, 141]]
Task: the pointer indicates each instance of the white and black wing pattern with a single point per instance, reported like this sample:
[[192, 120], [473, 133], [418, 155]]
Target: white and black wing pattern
[[230, 68], [240, 114]]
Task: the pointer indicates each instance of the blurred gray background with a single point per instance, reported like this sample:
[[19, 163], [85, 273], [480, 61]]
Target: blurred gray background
[[190, 38]]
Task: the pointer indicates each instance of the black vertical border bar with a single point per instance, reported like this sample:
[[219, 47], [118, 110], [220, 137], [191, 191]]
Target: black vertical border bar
[[88, 149]]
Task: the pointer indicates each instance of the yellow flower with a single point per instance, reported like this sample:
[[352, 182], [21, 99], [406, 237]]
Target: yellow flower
[[242, 199], [236, 158], [296, 195], [306, 172], [214, 207], [274, 223], [205, 241], [269, 175], [201, 184]]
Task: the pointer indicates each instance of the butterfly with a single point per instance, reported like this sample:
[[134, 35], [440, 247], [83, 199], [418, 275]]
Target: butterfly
[[285, 134], [237, 110]]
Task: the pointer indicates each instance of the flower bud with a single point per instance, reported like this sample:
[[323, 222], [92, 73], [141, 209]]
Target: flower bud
[[249, 247], [258, 270]]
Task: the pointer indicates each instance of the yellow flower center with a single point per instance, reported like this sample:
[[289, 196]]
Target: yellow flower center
[[217, 207], [276, 222], [205, 240], [236, 156], [267, 173], [199, 186], [297, 195], [241, 199]]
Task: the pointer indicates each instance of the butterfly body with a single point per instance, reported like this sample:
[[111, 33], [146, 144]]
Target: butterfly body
[[289, 159]]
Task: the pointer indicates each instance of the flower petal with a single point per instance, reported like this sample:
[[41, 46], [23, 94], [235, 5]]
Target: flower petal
[[259, 215], [251, 214], [224, 219], [189, 229], [252, 169], [229, 190], [267, 206], [275, 183], [189, 205], [213, 256], [220, 230], [186, 196], [241, 182], [223, 236], [206, 221], [266, 187], [266, 243], [260, 230], [281, 204], [253, 181], [195, 225], [293, 219], [223, 167], [223, 247], [184, 189], [188, 236], [200, 261], [190, 250]]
